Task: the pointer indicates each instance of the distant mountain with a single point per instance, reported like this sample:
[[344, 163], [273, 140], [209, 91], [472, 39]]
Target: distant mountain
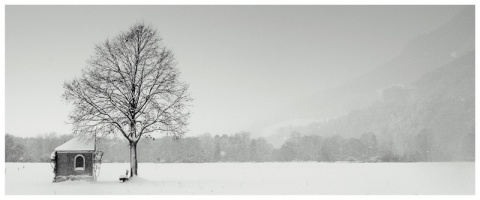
[[423, 54], [439, 106]]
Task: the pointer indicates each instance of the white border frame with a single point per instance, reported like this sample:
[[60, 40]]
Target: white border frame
[[231, 2]]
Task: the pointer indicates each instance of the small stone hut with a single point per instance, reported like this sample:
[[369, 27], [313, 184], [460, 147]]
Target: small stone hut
[[75, 160]]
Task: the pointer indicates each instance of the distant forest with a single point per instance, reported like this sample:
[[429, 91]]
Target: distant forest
[[239, 147]]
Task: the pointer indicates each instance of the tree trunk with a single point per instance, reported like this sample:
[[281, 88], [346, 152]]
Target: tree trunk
[[133, 159]]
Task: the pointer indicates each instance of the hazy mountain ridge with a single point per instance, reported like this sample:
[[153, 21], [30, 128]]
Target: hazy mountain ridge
[[421, 55], [447, 91], [439, 106]]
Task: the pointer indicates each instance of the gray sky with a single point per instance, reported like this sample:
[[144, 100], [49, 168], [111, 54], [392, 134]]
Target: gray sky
[[242, 62]]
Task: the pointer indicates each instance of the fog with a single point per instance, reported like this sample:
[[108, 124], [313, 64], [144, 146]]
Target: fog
[[267, 70]]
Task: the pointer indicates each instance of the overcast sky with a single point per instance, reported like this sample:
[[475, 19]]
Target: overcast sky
[[242, 62]]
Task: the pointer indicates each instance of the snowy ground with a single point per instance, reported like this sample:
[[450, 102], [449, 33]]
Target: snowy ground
[[253, 178]]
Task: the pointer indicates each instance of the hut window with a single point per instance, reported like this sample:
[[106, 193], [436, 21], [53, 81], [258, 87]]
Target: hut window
[[79, 162]]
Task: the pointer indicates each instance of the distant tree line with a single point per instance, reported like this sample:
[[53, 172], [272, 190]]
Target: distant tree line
[[32, 149], [239, 147]]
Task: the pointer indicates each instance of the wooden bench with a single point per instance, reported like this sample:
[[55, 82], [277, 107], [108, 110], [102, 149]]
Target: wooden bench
[[123, 178]]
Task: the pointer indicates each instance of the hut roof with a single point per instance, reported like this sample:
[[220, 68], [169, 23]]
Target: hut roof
[[77, 144]]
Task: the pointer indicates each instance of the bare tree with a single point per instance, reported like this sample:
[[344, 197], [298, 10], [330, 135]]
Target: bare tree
[[130, 87]]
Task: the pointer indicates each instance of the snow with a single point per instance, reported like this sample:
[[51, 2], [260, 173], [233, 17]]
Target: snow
[[253, 178], [77, 144]]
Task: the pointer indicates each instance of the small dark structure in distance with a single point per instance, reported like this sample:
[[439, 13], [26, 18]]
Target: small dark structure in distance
[[76, 159]]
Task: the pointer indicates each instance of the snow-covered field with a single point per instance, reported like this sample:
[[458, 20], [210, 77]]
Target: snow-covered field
[[253, 178]]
